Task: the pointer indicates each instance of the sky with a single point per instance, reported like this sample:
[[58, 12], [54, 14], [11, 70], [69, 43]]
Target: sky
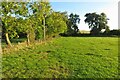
[[109, 7]]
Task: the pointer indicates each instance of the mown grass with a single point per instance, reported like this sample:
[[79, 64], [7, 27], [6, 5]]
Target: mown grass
[[71, 57]]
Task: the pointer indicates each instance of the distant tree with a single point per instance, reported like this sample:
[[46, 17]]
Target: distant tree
[[73, 20], [115, 32], [96, 22], [107, 30]]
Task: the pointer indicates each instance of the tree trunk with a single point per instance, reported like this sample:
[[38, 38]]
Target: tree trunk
[[8, 40], [44, 27], [28, 38], [31, 36]]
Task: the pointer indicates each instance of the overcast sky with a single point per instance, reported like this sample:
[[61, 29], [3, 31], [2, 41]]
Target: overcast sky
[[109, 7]]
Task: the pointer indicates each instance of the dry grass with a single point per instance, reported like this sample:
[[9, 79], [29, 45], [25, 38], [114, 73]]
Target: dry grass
[[84, 32]]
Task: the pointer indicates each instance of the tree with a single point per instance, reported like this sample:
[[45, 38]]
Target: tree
[[55, 24], [40, 10], [72, 23], [45, 9], [107, 30], [8, 22], [96, 22]]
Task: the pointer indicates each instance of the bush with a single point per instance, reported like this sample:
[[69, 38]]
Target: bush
[[113, 32]]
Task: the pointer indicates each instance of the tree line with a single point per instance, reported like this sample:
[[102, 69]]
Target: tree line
[[37, 20]]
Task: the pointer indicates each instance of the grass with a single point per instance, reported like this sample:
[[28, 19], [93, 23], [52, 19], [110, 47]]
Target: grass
[[71, 57]]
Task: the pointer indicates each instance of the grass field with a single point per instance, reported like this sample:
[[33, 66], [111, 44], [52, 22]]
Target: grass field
[[65, 57]]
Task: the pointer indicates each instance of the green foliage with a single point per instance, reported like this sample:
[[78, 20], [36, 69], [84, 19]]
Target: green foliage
[[39, 32], [96, 22], [113, 32], [107, 30], [55, 23], [9, 17], [95, 57], [9, 26], [29, 18], [41, 10], [72, 24]]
